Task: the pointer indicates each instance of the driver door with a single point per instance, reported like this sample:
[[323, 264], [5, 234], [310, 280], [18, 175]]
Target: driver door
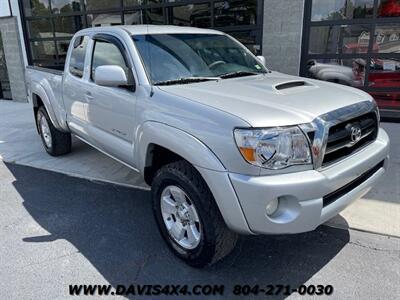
[[111, 110]]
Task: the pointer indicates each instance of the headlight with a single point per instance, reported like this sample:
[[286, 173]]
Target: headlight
[[274, 148]]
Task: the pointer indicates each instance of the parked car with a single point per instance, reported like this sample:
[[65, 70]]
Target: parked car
[[227, 146]]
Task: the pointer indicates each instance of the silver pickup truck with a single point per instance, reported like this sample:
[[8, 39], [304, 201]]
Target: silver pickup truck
[[228, 146]]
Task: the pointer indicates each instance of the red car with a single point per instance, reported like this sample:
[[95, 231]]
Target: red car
[[390, 8]]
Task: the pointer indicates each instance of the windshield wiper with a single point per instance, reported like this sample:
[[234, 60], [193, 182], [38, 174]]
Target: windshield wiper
[[186, 80], [239, 74]]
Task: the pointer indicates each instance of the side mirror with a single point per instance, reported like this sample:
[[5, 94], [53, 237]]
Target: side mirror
[[112, 76], [262, 60]]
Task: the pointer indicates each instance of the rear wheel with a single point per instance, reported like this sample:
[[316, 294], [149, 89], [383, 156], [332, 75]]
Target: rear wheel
[[54, 141], [188, 217]]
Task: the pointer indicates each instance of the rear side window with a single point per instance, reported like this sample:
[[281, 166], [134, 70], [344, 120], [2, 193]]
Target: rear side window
[[105, 54], [77, 60]]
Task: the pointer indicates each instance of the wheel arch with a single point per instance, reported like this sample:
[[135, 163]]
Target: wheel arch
[[161, 140], [160, 144], [40, 98]]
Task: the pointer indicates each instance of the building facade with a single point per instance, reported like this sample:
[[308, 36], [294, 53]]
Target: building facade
[[351, 42]]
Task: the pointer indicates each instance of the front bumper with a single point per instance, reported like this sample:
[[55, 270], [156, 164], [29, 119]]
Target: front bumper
[[302, 194]]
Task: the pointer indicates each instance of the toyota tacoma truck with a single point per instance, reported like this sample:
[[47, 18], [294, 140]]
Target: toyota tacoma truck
[[227, 146]]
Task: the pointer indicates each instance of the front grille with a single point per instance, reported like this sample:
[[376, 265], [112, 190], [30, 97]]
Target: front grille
[[347, 137], [332, 197]]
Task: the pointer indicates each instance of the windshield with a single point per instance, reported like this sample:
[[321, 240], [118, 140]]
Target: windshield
[[175, 57]]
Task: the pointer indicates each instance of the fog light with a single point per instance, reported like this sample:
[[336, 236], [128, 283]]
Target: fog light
[[272, 207]]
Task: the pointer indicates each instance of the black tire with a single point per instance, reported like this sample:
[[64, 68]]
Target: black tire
[[60, 141], [216, 240]]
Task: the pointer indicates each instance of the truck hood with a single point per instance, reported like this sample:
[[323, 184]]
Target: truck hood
[[272, 99]]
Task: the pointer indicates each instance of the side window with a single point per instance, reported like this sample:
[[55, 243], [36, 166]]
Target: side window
[[77, 60], [106, 53]]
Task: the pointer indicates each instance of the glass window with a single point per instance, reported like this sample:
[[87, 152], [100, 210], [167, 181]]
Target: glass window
[[40, 28], [196, 15], [363, 54], [65, 6], [387, 38], [97, 20], [349, 72], [356, 38], [147, 16], [384, 73], [77, 60], [249, 39], [129, 3], [107, 54], [62, 48], [102, 4], [323, 10], [133, 18], [154, 16], [176, 56], [67, 26], [389, 8], [231, 13], [36, 7], [44, 50], [324, 39]]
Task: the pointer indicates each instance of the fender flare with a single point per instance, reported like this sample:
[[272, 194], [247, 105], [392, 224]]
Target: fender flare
[[178, 141], [203, 159], [38, 90]]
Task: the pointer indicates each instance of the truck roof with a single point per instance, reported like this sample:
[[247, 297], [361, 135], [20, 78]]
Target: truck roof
[[151, 29]]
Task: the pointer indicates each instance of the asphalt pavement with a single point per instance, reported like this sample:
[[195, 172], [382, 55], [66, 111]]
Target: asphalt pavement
[[57, 230]]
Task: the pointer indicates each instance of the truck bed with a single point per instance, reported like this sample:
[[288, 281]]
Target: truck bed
[[47, 85]]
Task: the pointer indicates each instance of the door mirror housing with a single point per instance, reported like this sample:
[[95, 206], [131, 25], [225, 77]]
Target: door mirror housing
[[111, 76], [262, 60]]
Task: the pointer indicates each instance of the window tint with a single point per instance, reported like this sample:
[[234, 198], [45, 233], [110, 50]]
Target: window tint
[[67, 26], [65, 6], [197, 15], [77, 61], [324, 39], [231, 13], [106, 54], [102, 4], [43, 50], [36, 7]]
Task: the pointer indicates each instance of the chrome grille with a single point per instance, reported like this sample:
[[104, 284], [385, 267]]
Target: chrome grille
[[347, 137]]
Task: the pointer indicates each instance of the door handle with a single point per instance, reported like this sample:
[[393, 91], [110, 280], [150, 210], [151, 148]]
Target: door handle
[[88, 96]]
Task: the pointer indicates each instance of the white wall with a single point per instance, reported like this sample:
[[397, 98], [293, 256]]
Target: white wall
[[282, 35], [5, 12], [4, 8]]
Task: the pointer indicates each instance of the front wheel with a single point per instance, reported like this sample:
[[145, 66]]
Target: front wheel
[[188, 217]]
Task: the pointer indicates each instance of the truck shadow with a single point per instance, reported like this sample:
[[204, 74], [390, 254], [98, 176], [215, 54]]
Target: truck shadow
[[114, 229]]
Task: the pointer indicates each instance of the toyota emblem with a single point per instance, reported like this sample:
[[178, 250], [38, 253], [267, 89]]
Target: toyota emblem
[[355, 134]]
